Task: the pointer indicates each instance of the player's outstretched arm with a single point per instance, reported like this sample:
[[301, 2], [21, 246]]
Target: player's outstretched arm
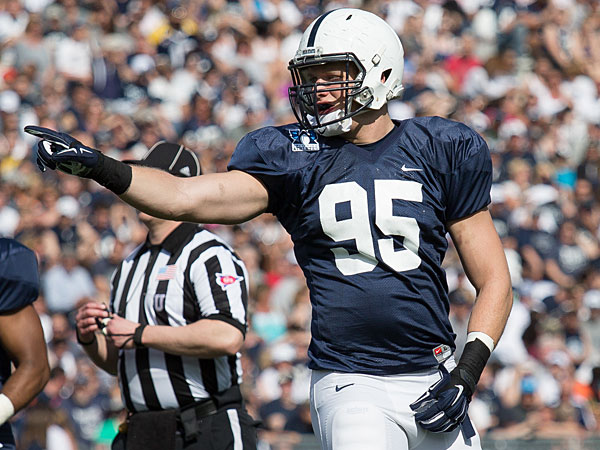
[[228, 198], [22, 337], [231, 197]]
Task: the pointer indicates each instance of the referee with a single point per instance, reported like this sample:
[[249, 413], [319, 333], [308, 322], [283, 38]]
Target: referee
[[172, 334]]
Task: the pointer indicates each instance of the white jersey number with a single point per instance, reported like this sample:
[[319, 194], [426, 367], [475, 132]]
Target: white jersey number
[[358, 226]]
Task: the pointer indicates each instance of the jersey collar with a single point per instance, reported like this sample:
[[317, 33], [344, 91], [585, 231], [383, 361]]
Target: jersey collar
[[175, 238]]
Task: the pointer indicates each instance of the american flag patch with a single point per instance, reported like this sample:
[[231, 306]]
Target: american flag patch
[[166, 272]]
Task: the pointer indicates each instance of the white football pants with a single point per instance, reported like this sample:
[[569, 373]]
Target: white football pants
[[367, 412]]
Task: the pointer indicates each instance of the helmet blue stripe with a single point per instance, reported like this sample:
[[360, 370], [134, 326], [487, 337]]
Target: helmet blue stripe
[[313, 32]]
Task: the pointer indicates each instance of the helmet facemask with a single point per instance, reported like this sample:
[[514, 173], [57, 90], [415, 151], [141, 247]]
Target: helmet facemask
[[366, 49], [304, 94]]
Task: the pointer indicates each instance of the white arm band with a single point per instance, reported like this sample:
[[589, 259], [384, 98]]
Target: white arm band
[[488, 341], [7, 409]]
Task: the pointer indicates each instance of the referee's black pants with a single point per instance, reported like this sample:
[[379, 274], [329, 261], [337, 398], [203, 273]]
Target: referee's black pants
[[226, 429]]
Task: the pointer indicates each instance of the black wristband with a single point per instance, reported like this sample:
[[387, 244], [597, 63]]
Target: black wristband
[[472, 362], [112, 174], [80, 342], [137, 336]]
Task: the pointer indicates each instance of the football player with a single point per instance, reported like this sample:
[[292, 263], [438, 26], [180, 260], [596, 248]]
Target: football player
[[22, 341], [368, 202]]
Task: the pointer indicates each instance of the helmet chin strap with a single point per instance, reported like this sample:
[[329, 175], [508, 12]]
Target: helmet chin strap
[[333, 129]]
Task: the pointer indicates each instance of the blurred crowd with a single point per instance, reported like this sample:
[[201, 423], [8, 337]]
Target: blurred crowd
[[121, 75]]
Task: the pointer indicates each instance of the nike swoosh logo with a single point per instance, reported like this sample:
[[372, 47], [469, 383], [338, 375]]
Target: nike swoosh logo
[[460, 392], [339, 388], [410, 169]]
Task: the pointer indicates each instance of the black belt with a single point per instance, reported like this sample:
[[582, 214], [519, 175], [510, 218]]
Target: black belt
[[189, 415], [203, 408]]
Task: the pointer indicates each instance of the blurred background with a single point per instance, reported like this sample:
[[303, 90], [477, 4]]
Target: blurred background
[[120, 75]]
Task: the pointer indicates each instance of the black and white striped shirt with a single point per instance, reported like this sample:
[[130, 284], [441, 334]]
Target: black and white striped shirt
[[192, 275]]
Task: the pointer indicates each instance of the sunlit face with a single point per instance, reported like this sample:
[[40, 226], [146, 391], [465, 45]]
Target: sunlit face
[[324, 89], [329, 79]]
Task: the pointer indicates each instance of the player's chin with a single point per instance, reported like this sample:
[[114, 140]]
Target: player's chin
[[327, 108]]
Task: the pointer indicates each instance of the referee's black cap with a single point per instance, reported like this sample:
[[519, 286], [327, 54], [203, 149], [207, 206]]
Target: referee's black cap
[[172, 158]]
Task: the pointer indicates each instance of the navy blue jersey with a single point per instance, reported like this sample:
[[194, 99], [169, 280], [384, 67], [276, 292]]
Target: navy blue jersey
[[19, 279], [19, 285], [369, 231]]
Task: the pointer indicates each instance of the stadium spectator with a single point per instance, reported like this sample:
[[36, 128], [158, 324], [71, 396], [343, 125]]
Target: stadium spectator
[[67, 284], [47, 428]]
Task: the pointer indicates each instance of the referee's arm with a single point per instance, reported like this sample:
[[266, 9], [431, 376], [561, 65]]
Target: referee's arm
[[204, 338]]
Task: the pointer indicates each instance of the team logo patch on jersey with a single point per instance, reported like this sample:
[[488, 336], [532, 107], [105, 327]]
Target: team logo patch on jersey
[[226, 280], [304, 140], [442, 353], [166, 272]]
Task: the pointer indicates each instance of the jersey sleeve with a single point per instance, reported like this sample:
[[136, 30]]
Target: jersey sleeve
[[272, 172], [19, 278], [468, 185], [220, 284]]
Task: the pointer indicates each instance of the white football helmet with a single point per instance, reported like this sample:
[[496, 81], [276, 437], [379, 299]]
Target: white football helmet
[[357, 38]]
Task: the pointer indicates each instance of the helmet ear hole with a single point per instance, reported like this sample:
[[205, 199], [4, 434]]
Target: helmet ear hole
[[385, 75]]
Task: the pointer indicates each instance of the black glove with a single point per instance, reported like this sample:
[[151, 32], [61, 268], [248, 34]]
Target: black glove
[[60, 151], [445, 404]]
